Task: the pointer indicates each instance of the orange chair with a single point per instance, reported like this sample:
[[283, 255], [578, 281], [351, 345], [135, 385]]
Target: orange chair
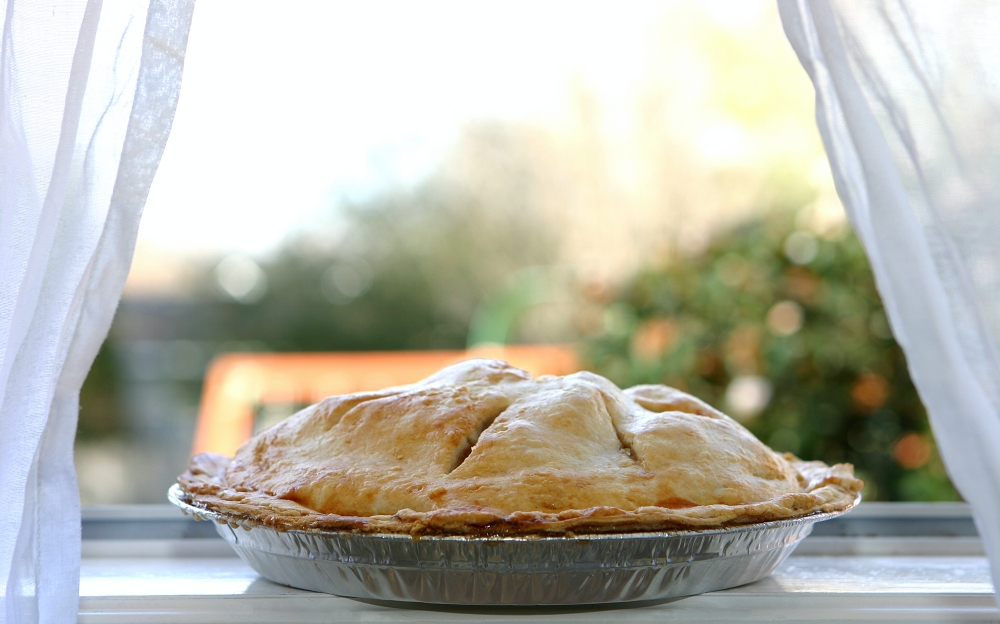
[[237, 384]]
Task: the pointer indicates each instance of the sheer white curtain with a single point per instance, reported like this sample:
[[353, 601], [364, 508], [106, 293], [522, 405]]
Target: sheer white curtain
[[908, 103], [87, 95]]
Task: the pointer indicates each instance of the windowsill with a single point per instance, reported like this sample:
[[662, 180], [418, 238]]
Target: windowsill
[[880, 563]]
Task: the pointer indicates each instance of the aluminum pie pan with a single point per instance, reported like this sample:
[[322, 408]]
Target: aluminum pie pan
[[460, 570]]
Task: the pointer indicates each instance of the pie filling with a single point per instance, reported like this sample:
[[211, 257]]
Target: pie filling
[[482, 448]]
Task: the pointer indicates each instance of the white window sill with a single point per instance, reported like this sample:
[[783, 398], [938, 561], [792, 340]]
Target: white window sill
[[875, 577]]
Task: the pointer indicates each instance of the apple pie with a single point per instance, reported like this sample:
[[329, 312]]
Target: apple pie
[[483, 448]]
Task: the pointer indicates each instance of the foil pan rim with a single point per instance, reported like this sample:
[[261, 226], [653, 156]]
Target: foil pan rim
[[582, 569], [175, 495]]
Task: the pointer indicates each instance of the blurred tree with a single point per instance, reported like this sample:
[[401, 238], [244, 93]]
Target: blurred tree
[[781, 327], [408, 267]]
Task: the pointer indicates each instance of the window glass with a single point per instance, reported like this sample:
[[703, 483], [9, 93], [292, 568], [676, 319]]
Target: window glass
[[643, 181]]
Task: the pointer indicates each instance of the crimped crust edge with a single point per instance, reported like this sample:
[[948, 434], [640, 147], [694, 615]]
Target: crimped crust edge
[[825, 489]]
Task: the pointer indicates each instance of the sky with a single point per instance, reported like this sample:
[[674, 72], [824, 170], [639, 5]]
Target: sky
[[288, 108]]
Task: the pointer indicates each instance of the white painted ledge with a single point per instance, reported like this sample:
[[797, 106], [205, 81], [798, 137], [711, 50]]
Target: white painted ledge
[[851, 587]]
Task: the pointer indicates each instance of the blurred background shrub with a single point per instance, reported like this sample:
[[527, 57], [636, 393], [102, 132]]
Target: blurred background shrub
[[778, 323]]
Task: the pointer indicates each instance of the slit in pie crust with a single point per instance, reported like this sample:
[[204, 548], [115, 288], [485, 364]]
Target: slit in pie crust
[[483, 448]]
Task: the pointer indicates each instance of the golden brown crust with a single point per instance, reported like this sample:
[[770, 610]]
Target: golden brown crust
[[483, 448]]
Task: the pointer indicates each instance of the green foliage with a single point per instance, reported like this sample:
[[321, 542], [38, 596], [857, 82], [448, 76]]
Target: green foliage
[[419, 262], [102, 416], [770, 308]]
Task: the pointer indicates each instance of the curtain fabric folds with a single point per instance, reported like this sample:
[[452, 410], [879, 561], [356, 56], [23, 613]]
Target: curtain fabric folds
[[908, 104], [88, 91]]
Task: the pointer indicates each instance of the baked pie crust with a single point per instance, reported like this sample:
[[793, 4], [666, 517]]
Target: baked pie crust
[[482, 448]]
